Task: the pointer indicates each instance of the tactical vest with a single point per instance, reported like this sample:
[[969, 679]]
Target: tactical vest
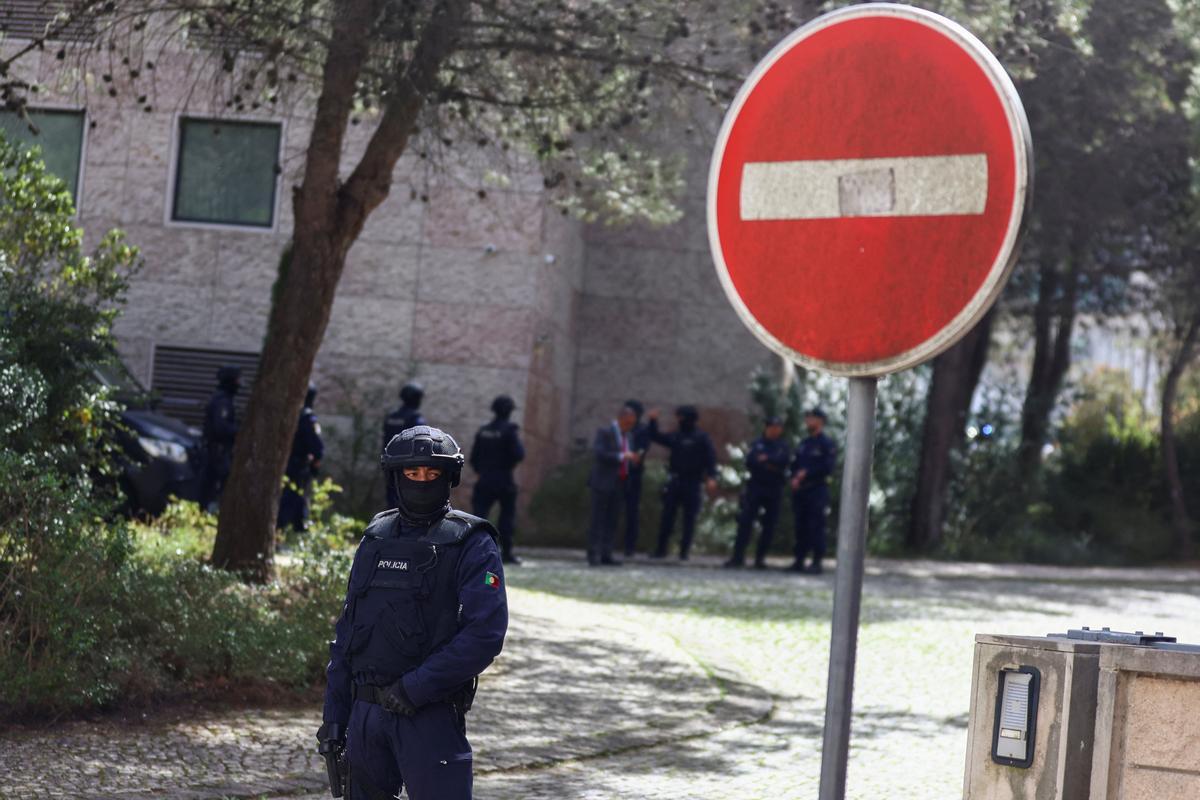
[[404, 594]]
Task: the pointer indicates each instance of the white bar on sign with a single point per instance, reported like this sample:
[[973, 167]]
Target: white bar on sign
[[918, 186]]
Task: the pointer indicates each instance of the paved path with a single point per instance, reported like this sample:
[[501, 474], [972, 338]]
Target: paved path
[[661, 681]]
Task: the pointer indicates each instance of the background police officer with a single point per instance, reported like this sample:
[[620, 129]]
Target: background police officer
[[425, 613], [815, 458], [639, 443], [767, 462], [406, 416], [303, 463], [494, 456], [220, 428], [693, 463]]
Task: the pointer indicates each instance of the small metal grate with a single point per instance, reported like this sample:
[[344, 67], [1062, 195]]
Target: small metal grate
[[57, 21], [185, 378]]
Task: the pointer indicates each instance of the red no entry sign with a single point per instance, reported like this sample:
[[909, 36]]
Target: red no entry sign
[[867, 189]]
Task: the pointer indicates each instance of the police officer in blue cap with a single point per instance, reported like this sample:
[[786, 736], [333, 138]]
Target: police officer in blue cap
[[767, 462], [425, 614], [693, 464], [496, 453], [405, 416], [815, 458]]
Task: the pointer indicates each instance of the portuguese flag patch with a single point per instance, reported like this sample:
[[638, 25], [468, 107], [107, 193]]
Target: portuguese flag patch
[[491, 579]]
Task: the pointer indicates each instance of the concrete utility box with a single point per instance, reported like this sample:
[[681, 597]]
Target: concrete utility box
[[1147, 725], [1059, 740], [1086, 715]]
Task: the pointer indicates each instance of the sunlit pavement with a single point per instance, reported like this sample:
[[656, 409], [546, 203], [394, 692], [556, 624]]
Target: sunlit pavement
[[663, 681]]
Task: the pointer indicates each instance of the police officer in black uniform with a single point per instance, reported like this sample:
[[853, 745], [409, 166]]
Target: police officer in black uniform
[[639, 443], [693, 463], [220, 428], [425, 614], [815, 458], [494, 456], [303, 464], [406, 416], [767, 462]]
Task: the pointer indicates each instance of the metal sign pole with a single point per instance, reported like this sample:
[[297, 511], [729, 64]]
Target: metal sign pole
[[847, 595]]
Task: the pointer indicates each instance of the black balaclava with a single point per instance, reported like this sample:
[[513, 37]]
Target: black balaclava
[[687, 416], [422, 501]]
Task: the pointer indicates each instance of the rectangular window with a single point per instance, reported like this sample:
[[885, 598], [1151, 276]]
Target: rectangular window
[[227, 172], [58, 133]]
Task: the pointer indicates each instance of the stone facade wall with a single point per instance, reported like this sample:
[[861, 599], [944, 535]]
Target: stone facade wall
[[654, 322], [471, 286]]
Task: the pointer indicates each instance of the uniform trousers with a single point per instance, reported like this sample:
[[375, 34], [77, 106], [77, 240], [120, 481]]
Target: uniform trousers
[[678, 492], [428, 753], [633, 505], [756, 500], [808, 506], [484, 496]]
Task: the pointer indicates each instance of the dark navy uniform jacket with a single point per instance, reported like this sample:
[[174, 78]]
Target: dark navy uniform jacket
[[496, 452], [693, 456], [400, 420], [220, 428], [817, 456], [771, 473], [483, 621], [307, 447]]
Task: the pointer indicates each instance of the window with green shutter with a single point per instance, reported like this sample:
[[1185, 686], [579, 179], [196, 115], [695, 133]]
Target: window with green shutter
[[59, 134], [226, 172]]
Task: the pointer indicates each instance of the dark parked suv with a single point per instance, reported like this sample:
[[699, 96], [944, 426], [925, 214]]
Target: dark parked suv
[[162, 456]]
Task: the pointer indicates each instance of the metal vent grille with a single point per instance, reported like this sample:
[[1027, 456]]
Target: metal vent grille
[[1015, 711], [186, 377], [32, 19]]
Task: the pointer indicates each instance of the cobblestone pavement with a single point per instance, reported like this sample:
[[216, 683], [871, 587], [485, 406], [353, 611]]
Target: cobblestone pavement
[[662, 681]]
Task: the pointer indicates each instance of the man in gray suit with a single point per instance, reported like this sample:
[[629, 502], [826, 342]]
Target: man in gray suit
[[613, 457]]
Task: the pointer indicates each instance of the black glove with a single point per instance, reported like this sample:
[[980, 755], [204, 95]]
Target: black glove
[[397, 701]]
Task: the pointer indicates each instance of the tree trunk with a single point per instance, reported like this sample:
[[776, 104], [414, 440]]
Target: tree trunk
[[956, 373], [1053, 324], [329, 217], [1181, 522]]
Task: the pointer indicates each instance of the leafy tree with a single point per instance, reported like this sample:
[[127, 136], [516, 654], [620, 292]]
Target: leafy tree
[[1103, 91], [564, 82], [1105, 111], [57, 306]]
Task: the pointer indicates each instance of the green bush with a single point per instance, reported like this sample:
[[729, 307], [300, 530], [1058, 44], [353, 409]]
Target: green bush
[[1099, 498], [133, 613]]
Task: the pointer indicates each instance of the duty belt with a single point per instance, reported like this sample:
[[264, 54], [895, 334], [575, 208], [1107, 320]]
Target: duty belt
[[462, 700], [368, 693]]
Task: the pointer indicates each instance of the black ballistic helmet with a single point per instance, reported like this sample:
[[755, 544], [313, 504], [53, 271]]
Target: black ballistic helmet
[[503, 405], [411, 394], [687, 413], [423, 446]]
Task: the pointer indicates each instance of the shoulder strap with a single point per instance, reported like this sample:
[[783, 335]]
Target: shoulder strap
[[456, 527], [383, 525]]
